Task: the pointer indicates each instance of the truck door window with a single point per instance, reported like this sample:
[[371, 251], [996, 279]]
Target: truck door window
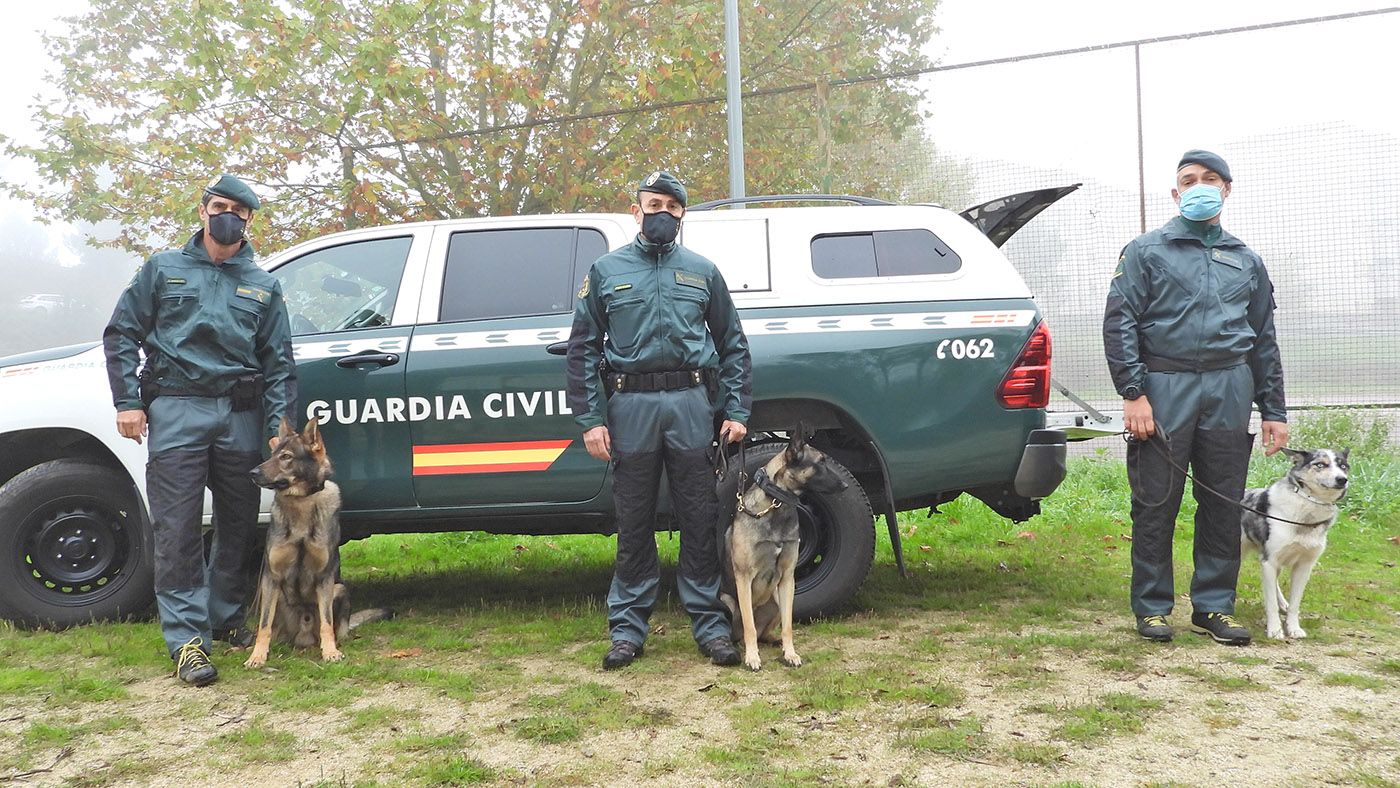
[[515, 273], [882, 253], [343, 287]]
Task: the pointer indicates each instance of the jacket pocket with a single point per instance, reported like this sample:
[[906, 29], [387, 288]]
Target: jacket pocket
[[627, 319]]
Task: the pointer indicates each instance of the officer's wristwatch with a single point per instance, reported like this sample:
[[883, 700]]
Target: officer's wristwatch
[[1132, 392]]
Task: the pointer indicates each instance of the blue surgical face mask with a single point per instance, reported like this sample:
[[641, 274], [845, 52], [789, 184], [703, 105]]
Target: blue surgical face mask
[[1201, 202]]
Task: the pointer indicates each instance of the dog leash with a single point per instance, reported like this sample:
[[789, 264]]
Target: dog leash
[[1165, 438]]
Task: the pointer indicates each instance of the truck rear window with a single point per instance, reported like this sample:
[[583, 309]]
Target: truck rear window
[[882, 253]]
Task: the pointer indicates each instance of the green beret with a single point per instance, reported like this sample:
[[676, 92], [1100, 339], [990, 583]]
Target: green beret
[[234, 189], [663, 182], [1208, 160]]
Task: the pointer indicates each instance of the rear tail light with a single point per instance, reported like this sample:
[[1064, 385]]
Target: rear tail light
[[1027, 383]]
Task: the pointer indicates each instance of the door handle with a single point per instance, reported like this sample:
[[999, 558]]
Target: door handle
[[367, 358], [558, 348]]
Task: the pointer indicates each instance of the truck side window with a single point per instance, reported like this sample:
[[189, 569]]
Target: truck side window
[[344, 287], [515, 273], [882, 253]]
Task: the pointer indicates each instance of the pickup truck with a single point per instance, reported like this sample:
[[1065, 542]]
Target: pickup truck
[[431, 354]]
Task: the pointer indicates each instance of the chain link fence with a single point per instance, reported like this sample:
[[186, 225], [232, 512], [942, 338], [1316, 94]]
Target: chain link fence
[[1299, 111]]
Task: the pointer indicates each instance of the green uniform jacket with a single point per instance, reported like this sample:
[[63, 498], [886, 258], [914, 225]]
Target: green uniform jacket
[[1190, 296], [653, 308], [202, 326]]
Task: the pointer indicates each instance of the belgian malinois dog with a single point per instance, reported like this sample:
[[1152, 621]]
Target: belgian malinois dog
[[762, 546], [300, 597]]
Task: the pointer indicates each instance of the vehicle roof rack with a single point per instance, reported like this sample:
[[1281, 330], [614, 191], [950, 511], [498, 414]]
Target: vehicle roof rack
[[851, 198]]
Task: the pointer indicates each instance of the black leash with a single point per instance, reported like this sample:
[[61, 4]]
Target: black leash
[[1165, 438]]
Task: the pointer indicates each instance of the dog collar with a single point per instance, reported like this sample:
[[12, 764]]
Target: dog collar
[[1298, 489], [778, 494]]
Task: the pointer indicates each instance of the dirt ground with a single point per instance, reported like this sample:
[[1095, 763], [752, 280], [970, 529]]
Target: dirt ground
[[1289, 724]]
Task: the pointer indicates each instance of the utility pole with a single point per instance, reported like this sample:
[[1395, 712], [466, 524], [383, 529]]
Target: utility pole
[[734, 102]]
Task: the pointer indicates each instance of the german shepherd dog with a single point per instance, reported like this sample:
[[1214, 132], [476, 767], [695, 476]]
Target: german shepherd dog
[[300, 597], [762, 546], [1308, 493]]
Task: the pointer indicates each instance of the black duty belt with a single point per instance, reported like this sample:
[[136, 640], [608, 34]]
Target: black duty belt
[[1164, 364], [672, 380]]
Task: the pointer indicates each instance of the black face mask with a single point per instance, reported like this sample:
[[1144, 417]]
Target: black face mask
[[660, 227], [227, 227]]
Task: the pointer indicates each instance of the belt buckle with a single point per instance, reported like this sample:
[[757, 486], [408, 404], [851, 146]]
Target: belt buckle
[[695, 376]]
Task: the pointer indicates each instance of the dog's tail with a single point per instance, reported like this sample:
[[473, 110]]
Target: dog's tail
[[370, 615]]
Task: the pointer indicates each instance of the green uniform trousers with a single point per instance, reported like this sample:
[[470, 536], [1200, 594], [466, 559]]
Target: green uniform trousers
[[649, 430], [199, 442], [1205, 418]]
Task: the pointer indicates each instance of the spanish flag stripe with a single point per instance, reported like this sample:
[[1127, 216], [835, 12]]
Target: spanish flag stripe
[[495, 468], [485, 457], [476, 447]]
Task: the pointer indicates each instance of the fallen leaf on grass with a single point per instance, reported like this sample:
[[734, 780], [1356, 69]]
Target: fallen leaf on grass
[[1126, 537], [405, 653], [925, 547], [1003, 543], [1027, 535], [706, 688], [551, 545], [520, 548], [1394, 539]]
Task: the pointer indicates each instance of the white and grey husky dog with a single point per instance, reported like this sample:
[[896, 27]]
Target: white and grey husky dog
[[1308, 493]]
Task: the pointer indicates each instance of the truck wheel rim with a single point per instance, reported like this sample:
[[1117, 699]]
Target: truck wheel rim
[[820, 541], [75, 549]]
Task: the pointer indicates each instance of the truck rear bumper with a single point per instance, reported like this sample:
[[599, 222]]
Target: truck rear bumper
[[1042, 464]]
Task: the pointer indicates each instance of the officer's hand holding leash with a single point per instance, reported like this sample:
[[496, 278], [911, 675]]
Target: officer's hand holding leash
[[1137, 418], [598, 442], [131, 424], [732, 431]]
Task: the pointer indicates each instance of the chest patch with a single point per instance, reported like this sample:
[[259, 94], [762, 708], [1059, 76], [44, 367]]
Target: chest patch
[[253, 293], [1228, 258], [687, 278]]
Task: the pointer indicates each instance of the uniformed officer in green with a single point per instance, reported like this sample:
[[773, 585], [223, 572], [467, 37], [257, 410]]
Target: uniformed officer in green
[[661, 318], [1189, 337], [217, 379]]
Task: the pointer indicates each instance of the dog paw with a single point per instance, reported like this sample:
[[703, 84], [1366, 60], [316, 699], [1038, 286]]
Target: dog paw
[[255, 661], [1275, 633], [1296, 632], [753, 662], [331, 655], [792, 660]]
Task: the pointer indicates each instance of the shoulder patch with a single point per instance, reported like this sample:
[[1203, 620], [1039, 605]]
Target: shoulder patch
[[583, 288]]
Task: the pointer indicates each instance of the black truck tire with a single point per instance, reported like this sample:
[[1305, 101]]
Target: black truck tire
[[837, 547], [73, 546]]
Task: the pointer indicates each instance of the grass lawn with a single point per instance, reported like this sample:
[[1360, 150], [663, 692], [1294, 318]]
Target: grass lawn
[[1007, 656]]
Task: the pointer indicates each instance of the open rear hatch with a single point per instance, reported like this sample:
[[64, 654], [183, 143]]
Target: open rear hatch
[[999, 219]]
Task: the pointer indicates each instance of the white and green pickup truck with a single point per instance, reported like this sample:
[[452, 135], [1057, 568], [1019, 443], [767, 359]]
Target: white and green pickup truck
[[431, 353]]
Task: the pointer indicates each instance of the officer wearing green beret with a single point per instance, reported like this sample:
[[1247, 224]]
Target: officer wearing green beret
[[661, 318], [218, 377], [1189, 337]]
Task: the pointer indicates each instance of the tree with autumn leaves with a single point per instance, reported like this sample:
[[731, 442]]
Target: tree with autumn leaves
[[349, 113]]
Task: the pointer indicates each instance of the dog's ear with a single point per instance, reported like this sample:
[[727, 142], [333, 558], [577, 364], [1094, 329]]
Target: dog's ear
[[311, 433], [795, 443], [284, 430], [1345, 454], [1298, 456]]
